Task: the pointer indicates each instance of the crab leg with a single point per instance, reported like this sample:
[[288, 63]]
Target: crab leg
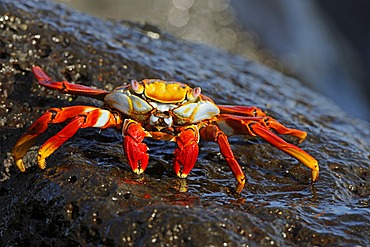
[[250, 111], [135, 150], [80, 116], [187, 152], [57, 140], [66, 87], [271, 123], [238, 125], [290, 149], [213, 133], [259, 126]]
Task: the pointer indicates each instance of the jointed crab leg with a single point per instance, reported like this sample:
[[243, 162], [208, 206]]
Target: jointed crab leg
[[238, 125], [66, 87], [255, 114], [250, 111], [271, 123], [57, 140], [80, 116], [259, 126], [291, 149], [213, 133]]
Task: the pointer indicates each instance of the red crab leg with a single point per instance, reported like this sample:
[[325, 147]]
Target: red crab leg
[[250, 111], [187, 152], [81, 116], [135, 150], [238, 125], [57, 140], [66, 87], [257, 126], [213, 133], [271, 123], [291, 149], [241, 111]]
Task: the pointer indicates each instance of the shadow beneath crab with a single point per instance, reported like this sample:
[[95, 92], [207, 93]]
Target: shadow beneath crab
[[88, 195]]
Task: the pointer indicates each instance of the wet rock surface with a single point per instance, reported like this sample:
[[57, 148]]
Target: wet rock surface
[[89, 195]]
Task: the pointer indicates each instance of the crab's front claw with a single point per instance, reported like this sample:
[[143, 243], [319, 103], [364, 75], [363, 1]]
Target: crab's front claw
[[187, 152], [135, 150]]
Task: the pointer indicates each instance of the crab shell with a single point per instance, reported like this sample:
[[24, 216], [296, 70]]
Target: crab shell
[[162, 104]]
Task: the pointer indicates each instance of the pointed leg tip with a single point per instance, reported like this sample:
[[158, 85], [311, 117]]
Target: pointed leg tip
[[315, 176], [181, 175], [315, 171], [41, 162], [240, 186], [138, 171], [19, 163], [302, 137]]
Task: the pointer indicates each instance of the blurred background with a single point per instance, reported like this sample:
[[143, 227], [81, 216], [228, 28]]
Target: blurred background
[[323, 43]]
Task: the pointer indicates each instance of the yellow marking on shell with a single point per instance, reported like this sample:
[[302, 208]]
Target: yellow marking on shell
[[188, 111], [139, 104], [166, 92]]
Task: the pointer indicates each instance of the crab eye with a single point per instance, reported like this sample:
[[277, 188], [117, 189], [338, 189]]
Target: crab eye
[[196, 92], [193, 94], [137, 87]]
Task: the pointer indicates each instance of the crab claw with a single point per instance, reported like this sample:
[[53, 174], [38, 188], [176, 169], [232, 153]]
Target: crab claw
[[135, 150], [187, 152]]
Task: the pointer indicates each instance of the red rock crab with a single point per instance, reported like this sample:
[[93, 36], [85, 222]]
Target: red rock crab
[[161, 110]]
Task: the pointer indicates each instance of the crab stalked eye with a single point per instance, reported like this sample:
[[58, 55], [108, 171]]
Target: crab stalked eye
[[137, 87], [193, 94], [196, 92]]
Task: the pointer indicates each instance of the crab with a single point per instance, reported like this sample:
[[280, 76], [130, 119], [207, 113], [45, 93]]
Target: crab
[[162, 110]]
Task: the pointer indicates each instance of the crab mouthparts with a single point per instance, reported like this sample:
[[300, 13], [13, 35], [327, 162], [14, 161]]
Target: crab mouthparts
[[161, 119]]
